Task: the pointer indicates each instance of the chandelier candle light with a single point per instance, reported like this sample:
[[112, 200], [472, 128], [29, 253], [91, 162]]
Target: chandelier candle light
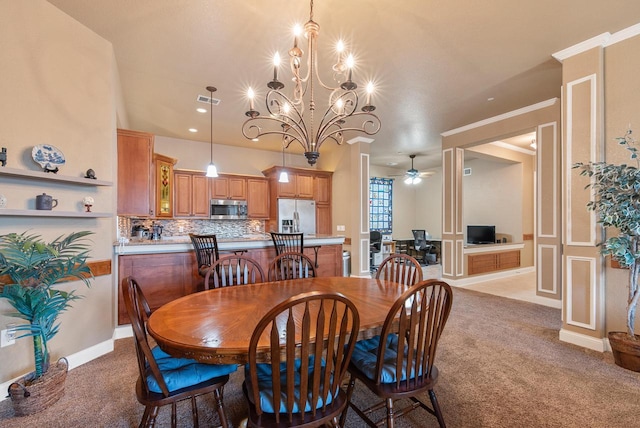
[[286, 113]]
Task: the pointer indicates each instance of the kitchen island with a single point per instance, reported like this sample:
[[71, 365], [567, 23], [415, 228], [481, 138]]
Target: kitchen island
[[166, 269]]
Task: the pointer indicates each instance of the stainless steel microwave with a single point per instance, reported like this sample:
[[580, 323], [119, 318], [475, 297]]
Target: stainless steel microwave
[[227, 209]]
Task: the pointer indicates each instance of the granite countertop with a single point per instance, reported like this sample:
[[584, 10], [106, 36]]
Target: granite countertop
[[171, 244]]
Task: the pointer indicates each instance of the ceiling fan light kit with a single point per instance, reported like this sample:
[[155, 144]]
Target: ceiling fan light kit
[[413, 175]]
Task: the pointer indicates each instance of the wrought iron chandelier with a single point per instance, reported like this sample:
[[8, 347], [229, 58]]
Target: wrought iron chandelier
[[287, 113]]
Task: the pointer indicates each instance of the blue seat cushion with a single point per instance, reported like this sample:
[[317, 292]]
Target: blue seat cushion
[[365, 355], [265, 386], [180, 373]]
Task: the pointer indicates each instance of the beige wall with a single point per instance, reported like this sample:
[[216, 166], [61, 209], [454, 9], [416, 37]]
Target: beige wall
[[228, 159], [622, 109], [58, 86]]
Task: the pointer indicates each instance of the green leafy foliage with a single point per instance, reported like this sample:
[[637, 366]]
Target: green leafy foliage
[[616, 202], [34, 266]]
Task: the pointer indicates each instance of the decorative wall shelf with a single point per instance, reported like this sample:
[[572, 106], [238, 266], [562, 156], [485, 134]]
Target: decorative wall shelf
[[47, 213], [38, 175]]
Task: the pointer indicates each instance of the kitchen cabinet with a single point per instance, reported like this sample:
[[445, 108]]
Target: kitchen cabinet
[[164, 185], [191, 197], [323, 219], [258, 198], [300, 185], [490, 262], [135, 173], [229, 187], [322, 189], [162, 277]]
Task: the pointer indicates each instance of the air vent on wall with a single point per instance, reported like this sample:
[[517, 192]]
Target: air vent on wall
[[208, 100], [466, 171]]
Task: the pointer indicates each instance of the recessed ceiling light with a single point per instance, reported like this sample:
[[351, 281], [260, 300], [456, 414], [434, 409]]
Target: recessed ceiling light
[[255, 139], [490, 99], [201, 110], [193, 130], [392, 163]]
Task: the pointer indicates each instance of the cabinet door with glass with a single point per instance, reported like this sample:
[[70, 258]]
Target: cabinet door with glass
[[164, 185]]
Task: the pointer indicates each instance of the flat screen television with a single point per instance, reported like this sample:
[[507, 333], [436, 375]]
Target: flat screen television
[[481, 234]]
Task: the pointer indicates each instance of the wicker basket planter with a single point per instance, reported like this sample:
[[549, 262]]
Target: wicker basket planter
[[626, 352], [28, 398]]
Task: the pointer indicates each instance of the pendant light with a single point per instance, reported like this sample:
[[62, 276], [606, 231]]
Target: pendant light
[[212, 171], [284, 177]]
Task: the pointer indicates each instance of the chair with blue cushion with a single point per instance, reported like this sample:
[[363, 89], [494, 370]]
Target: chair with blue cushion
[[400, 268], [399, 363], [304, 374], [164, 379]]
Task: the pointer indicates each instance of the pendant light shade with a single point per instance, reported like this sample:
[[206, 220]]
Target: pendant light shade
[[284, 177], [212, 171]]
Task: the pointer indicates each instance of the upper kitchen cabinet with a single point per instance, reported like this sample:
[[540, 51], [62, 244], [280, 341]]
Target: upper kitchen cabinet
[[229, 187], [164, 184], [322, 188], [191, 198], [300, 185], [258, 198], [135, 173]]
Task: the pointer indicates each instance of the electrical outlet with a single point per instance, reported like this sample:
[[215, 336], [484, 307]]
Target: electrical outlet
[[7, 337], [180, 229], [341, 228]]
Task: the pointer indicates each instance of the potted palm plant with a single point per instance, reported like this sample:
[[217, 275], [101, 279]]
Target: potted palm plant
[[29, 268], [616, 202]]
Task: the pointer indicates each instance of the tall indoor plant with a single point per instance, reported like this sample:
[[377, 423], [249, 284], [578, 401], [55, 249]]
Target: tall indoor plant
[[29, 268], [616, 202]]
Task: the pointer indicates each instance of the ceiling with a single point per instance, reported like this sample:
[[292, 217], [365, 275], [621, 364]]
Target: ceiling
[[436, 65]]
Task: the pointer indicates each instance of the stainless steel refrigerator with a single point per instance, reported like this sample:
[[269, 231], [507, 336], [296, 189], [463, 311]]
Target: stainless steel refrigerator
[[297, 215]]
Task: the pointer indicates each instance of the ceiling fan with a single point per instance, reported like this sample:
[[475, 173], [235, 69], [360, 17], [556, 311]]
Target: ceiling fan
[[413, 176]]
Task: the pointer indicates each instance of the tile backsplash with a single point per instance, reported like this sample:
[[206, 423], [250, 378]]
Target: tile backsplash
[[183, 227]]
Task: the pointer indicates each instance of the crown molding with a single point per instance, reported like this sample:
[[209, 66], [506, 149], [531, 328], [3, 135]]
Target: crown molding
[[625, 34], [594, 42], [513, 148], [603, 40], [500, 117]]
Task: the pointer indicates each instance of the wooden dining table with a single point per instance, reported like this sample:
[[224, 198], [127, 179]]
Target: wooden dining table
[[215, 326]]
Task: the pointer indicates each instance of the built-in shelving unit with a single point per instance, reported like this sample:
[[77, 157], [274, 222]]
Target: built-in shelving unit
[[43, 176], [51, 213], [38, 175]]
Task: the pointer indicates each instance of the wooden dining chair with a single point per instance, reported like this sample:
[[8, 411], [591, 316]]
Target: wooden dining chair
[[399, 363], [311, 337], [287, 242], [233, 270], [400, 268], [206, 248], [291, 265], [166, 380]]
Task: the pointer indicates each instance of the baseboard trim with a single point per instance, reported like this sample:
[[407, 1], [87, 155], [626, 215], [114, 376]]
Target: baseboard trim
[[122, 331], [75, 360], [488, 277], [589, 342]]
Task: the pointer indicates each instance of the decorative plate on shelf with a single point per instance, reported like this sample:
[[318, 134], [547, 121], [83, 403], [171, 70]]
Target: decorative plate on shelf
[[49, 157]]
